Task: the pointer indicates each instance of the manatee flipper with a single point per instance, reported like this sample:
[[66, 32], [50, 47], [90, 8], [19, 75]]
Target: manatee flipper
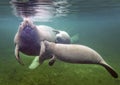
[[56, 31], [109, 69], [52, 60], [17, 55], [35, 63], [42, 51]]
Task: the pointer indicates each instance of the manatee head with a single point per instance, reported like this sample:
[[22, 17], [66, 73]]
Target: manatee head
[[63, 37], [49, 45], [26, 23]]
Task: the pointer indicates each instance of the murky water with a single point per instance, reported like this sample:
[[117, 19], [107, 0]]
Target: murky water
[[95, 23]]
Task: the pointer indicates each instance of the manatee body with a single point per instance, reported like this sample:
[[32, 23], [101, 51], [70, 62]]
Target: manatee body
[[77, 54]]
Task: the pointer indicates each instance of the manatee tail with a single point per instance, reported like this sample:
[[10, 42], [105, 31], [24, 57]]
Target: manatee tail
[[109, 69], [35, 63]]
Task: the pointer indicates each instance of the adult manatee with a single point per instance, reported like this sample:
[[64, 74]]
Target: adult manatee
[[29, 37]]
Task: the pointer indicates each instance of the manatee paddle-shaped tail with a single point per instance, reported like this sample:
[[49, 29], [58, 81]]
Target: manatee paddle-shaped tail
[[17, 55], [109, 69], [35, 63]]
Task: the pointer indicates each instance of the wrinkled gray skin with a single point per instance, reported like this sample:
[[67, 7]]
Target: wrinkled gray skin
[[76, 54], [29, 39]]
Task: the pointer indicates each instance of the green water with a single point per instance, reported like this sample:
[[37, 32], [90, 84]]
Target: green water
[[99, 30]]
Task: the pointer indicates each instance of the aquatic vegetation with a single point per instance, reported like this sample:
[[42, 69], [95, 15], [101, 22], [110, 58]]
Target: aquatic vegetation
[[59, 74]]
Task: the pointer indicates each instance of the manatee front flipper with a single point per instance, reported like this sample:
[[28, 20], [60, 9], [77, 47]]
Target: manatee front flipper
[[35, 63], [42, 51], [56, 31], [17, 55], [52, 60]]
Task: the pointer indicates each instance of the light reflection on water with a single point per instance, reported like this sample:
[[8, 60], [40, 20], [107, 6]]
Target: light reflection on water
[[40, 10]]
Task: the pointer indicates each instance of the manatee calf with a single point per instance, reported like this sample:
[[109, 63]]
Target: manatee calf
[[77, 54]]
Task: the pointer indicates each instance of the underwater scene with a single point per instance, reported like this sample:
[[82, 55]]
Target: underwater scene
[[81, 47]]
